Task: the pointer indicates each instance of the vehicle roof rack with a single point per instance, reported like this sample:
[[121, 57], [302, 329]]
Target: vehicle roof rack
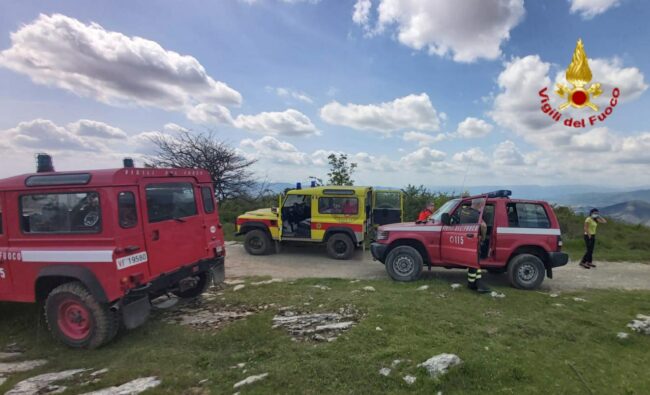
[[501, 193]]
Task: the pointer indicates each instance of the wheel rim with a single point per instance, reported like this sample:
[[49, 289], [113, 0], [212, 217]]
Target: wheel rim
[[256, 243], [527, 273], [74, 320], [404, 265], [340, 247]]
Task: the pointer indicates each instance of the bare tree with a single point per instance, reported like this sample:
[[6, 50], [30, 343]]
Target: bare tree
[[229, 170]]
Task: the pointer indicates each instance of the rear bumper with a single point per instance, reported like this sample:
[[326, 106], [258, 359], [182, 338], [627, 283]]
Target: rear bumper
[[135, 304], [378, 251], [557, 259]]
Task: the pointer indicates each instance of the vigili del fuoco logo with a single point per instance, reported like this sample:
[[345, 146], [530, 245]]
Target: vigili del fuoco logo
[[579, 94]]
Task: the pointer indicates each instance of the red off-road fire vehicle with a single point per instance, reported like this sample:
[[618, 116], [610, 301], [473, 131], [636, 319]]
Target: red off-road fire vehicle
[[97, 246], [520, 237]]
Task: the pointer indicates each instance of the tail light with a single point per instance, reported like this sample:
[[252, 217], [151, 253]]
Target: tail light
[[559, 243]]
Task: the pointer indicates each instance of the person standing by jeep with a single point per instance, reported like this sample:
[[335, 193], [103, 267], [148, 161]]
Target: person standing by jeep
[[590, 226], [427, 212]]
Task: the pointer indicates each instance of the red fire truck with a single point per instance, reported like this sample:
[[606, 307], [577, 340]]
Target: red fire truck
[[491, 231], [97, 246]]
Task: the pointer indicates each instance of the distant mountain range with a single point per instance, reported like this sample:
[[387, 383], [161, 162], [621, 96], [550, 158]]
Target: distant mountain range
[[634, 212]]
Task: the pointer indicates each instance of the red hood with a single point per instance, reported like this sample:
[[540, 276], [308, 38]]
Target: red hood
[[405, 225]]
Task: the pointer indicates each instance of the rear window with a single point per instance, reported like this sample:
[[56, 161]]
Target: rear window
[[59, 213], [208, 199], [167, 201], [337, 205], [387, 200], [126, 210], [527, 215]]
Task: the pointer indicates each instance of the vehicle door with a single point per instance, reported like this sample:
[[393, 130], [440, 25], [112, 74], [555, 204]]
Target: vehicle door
[[131, 247], [461, 233], [387, 207], [173, 228], [5, 270], [296, 213]]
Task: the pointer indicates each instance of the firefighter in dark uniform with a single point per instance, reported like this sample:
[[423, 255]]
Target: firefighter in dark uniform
[[471, 215]]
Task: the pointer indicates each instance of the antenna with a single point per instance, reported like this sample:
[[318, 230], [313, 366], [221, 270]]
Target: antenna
[[462, 187]]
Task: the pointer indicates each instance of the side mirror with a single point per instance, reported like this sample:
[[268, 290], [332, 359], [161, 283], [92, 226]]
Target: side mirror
[[446, 219]]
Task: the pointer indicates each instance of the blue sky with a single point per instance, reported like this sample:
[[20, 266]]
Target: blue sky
[[404, 89]]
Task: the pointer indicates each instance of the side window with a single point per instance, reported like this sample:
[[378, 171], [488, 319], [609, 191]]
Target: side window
[[1, 217], [488, 214], [338, 205], [61, 213], [126, 210], [468, 212], [527, 215], [208, 199], [168, 201]]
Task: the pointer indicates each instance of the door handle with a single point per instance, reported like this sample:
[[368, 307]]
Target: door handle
[[155, 235], [470, 235], [131, 248]]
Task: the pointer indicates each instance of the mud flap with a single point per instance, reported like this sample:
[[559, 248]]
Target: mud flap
[[136, 313], [218, 273]]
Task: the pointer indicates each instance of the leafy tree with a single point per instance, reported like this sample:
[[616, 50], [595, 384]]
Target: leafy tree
[[416, 199], [340, 170], [229, 170]]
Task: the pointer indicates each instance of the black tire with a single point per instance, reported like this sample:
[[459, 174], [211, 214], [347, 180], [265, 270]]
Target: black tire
[[404, 263], [526, 271], [95, 323], [340, 246], [257, 242], [205, 280]]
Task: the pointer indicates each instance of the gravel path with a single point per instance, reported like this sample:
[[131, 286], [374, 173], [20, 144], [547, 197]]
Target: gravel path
[[312, 261]]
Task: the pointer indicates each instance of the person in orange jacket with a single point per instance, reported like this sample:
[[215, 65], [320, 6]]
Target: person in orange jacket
[[427, 212]]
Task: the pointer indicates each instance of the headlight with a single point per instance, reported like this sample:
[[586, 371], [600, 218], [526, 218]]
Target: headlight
[[382, 235]]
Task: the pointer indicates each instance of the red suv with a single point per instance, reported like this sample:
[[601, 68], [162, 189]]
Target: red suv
[[96, 246], [499, 234]]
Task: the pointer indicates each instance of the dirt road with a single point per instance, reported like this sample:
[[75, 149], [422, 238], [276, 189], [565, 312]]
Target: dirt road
[[310, 261]]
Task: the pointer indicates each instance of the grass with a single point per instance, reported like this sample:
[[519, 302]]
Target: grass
[[519, 344], [615, 241]]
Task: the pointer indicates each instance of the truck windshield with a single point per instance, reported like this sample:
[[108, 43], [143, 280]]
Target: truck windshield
[[446, 208]]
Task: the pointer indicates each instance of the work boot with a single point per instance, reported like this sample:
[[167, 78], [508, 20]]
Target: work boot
[[480, 287], [471, 285]]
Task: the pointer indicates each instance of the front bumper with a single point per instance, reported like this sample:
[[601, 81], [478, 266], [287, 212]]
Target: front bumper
[[378, 251], [557, 259]]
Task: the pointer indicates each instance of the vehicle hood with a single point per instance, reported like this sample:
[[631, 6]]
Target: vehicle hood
[[399, 225], [262, 213]]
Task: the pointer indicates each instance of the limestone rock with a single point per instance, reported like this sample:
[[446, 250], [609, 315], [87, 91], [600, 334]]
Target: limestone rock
[[22, 366], [132, 387], [440, 364], [250, 380], [37, 384], [409, 379], [368, 288], [641, 324], [384, 371]]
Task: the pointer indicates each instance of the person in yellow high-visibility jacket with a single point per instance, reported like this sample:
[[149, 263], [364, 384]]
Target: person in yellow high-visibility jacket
[[590, 227]]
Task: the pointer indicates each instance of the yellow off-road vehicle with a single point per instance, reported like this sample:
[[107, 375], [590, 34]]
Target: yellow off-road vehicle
[[340, 216]]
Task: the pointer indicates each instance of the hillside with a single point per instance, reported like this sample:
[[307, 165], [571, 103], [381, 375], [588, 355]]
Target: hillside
[[634, 212]]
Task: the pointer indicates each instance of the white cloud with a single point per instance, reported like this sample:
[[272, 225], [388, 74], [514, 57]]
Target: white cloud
[[473, 128], [466, 29], [595, 140], [290, 123], [110, 67], [507, 154], [636, 149], [590, 8], [471, 156], [422, 157], [209, 114], [291, 93], [424, 139], [277, 151], [89, 128], [42, 134], [409, 112], [361, 13]]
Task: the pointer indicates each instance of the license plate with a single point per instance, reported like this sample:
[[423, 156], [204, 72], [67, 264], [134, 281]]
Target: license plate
[[131, 260]]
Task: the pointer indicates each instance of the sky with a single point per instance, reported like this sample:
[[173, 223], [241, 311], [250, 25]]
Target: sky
[[426, 92]]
